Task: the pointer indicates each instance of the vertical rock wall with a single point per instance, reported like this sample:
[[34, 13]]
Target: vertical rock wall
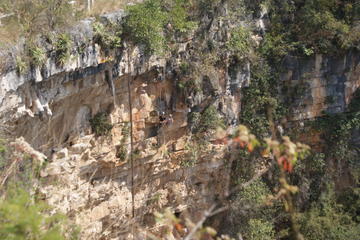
[[320, 84]]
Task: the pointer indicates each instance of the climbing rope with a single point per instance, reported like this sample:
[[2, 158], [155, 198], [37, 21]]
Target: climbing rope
[[131, 153], [131, 146]]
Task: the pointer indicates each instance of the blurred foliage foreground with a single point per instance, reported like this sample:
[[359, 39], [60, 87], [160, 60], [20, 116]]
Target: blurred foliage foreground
[[23, 213]]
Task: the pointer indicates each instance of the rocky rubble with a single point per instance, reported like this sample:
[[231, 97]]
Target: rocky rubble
[[98, 196]]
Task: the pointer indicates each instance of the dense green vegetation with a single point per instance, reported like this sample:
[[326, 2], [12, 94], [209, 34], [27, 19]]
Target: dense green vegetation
[[260, 103], [338, 130], [302, 28], [145, 25], [149, 22], [315, 26], [327, 219]]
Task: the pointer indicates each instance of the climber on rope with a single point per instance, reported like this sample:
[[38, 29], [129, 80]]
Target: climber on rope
[[162, 118], [189, 102], [160, 131], [170, 120]]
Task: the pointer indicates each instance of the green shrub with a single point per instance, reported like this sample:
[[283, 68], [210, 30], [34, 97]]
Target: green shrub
[[192, 85], [145, 25], [62, 48], [2, 154], [255, 193], [100, 124], [329, 100], [244, 166], [21, 65], [259, 230], [308, 51], [207, 6], [178, 16], [250, 202], [310, 175], [194, 120], [107, 35], [125, 131], [184, 68], [37, 55], [248, 206], [194, 147], [260, 100], [122, 152], [276, 46], [239, 42], [209, 120], [350, 199]]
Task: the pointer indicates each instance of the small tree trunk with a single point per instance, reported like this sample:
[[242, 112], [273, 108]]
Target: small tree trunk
[[88, 5]]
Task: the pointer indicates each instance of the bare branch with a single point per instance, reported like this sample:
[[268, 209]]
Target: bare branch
[[8, 172], [213, 211], [253, 179], [199, 224]]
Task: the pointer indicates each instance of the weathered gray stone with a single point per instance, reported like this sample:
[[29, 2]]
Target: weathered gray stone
[[63, 153], [79, 148]]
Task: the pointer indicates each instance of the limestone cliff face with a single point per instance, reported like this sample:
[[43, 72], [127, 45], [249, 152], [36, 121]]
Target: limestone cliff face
[[320, 84], [51, 106]]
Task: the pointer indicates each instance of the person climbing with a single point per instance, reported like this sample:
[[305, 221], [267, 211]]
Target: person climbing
[[144, 98], [280, 130], [170, 120], [162, 118], [189, 103], [161, 130]]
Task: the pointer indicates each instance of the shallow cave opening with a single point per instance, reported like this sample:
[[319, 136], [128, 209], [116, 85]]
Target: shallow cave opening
[[177, 214], [151, 130]]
